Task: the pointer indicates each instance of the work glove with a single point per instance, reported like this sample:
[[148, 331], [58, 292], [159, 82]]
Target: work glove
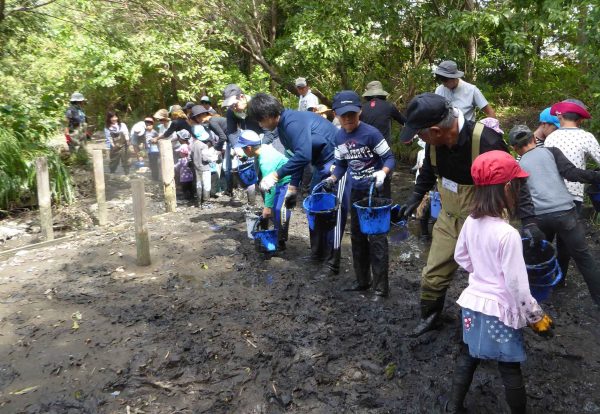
[[268, 182], [291, 198], [329, 183], [379, 177], [534, 234], [543, 327], [68, 138], [409, 207]]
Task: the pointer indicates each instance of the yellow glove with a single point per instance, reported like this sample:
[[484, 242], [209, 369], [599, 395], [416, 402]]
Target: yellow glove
[[543, 327]]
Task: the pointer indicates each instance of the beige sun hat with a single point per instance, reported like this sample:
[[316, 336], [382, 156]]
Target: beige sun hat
[[322, 109], [374, 88], [161, 114]]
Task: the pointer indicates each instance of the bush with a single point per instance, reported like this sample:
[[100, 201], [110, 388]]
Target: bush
[[18, 175]]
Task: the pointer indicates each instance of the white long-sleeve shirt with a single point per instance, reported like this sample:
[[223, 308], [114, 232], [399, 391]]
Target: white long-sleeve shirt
[[491, 251], [576, 144]]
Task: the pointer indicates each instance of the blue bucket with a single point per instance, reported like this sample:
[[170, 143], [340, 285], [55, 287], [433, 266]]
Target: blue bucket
[[265, 241], [436, 203], [321, 209], [542, 269], [247, 173], [374, 214]]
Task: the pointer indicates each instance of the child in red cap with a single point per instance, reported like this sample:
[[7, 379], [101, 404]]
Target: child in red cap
[[497, 304]]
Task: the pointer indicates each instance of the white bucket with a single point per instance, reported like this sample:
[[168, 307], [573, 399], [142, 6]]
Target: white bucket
[[251, 219]]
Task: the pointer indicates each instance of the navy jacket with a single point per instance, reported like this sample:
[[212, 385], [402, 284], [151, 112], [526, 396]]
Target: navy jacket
[[307, 138]]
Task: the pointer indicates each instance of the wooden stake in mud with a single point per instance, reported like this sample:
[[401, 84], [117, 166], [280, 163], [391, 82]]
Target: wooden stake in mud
[[142, 240], [44, 198], [168, 174], [98, 158]]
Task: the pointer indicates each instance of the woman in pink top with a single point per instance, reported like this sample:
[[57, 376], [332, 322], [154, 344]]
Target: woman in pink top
[[497, 304]]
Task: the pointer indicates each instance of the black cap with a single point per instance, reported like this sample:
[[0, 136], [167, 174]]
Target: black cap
[[188, 106], [519, 135], [198, 110], [424, 110]]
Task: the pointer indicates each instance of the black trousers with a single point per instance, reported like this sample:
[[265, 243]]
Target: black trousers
[[370, 254], [571, 242], [562, 254], [153, 158]]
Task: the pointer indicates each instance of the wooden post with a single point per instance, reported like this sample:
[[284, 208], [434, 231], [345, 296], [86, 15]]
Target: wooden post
[[98, 159], [44, 197], [142, 241], [168, 174]]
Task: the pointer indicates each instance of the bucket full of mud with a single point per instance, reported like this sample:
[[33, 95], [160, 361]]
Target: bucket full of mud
[[265, 241], [321, 209], [374, 214], [542, 268], [247, 173]]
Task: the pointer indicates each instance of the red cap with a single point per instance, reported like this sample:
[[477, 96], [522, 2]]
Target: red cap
[[564, 107], [495, 167]]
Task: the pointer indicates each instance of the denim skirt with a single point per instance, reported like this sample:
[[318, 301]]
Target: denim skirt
[[488, 338]]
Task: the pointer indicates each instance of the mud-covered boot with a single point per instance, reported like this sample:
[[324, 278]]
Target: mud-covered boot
[[431, 311], [461, 382]]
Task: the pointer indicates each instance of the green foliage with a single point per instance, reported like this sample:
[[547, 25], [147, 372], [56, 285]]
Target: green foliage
[[17, 170]]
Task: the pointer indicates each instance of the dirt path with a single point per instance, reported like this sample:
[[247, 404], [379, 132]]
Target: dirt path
[[211, 327]]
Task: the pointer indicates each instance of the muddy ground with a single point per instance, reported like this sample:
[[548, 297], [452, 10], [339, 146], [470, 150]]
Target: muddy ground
[[212, 327]]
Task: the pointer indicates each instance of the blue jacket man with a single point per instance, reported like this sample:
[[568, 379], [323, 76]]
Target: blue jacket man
[[307, 138]]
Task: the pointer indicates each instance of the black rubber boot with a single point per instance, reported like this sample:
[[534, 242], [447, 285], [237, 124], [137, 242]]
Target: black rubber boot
[[514, 389], [431, 310]]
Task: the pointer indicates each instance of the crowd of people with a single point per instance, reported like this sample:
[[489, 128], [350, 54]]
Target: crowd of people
[[347, 149]]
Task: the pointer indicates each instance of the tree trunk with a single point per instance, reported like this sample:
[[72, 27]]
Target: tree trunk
[[470, 67]]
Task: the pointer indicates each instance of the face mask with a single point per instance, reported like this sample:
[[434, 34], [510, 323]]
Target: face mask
[[241, 115]]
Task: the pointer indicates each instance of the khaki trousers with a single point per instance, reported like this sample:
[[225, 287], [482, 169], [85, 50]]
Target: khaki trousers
[[440, 268]]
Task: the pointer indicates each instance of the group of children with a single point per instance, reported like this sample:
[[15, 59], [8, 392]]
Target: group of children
[[497, 303]]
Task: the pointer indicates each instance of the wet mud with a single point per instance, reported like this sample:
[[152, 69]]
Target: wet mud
[[213, 327]]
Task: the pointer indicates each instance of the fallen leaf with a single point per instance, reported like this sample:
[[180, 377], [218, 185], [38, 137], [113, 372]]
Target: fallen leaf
[[25, 390], [76, 317], [204, 265]]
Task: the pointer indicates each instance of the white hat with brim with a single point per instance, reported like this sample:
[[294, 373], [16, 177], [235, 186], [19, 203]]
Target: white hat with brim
[[374, 88]]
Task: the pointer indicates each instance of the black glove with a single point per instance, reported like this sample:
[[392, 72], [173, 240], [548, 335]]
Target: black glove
[[328, 185], [534, 234], [290, 199], [409, 208]]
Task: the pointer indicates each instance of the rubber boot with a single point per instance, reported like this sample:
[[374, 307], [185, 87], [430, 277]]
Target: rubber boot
[[431, 310], [514, 388]]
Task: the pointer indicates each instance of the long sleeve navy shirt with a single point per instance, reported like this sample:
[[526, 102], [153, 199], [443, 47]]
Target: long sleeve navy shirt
[[307, 138]]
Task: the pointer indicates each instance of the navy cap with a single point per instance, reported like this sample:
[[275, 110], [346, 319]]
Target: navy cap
[[346, 101], [424, 111]]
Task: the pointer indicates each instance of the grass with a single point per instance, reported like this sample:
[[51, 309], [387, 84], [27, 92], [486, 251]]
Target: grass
[[17, 171]]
